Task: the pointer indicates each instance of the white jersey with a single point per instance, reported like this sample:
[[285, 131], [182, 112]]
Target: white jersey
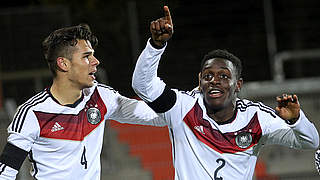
[[65, 142], [202, 148]]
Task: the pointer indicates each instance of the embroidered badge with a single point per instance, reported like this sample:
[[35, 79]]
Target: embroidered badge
[[243, 140], [93, 115]]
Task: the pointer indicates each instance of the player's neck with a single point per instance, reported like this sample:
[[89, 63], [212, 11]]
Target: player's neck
[[65, 93], [222, 115]]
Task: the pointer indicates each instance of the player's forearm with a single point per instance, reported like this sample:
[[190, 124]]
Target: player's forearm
[[136, 112], [7, 173], [300, 135], [145, 81], [306, 133]]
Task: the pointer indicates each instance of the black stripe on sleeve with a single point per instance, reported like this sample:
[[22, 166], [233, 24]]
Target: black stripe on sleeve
[[164, 102], [23, 110], [27, 109], [2, 168], [13, 156]]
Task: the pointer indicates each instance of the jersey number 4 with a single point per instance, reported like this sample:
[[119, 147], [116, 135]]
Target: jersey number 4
[[84, 159]]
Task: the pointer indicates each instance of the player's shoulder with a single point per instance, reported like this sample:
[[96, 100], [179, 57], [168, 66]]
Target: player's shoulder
[[36, 100], [100, 87], [105, 91], [194, 93], [248, 106], [104, 87], [26, 109]]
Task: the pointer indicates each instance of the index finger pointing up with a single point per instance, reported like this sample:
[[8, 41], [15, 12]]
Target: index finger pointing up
[[167, 15]]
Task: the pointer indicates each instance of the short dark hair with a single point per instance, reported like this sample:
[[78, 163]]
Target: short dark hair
[[61, 43], [224, 54]]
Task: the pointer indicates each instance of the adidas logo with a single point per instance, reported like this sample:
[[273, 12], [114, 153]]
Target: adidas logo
[[56, 127], [200, 129]]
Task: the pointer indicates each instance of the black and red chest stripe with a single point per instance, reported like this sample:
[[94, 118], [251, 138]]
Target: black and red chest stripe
[[221, 142], [74, 126]]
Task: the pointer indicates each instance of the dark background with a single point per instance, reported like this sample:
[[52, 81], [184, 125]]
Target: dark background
[[200, 26]]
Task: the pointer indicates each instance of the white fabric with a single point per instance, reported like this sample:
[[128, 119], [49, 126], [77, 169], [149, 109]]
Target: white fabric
[[194, 157], [146, 78], [7, 173]]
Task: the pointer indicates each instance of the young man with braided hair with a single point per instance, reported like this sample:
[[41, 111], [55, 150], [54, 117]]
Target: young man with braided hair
[[214, 134], [61, 128]]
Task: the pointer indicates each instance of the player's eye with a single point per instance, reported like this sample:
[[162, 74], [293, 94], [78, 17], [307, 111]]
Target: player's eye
[[207, 77], [224, 76]]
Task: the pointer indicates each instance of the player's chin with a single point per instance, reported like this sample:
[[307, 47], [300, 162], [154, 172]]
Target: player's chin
[[215, 103], [89, 84]]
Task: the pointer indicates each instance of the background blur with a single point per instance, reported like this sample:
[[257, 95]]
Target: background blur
[[277, 40]]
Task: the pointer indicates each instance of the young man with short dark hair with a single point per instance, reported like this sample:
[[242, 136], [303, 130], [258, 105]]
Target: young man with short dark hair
[[61, 128]]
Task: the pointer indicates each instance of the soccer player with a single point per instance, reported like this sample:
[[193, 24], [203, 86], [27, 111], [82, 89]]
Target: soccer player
[[214, 134], [61, 128]]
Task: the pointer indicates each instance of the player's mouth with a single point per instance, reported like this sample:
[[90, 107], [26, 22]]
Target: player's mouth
[[215, 93], [92, 75]]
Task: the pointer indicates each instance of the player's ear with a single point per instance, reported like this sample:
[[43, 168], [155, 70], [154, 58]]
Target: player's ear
[[239, 85], [63, 64]]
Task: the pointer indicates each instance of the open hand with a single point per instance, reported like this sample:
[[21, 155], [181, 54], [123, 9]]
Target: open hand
[[162, 28], [288, 107]]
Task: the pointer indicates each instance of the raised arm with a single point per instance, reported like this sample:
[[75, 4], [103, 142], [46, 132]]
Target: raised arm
[[298, 132], [145, 81]]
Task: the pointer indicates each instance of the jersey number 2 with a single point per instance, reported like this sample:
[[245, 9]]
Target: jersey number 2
[[223, 162], [83, 158]]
